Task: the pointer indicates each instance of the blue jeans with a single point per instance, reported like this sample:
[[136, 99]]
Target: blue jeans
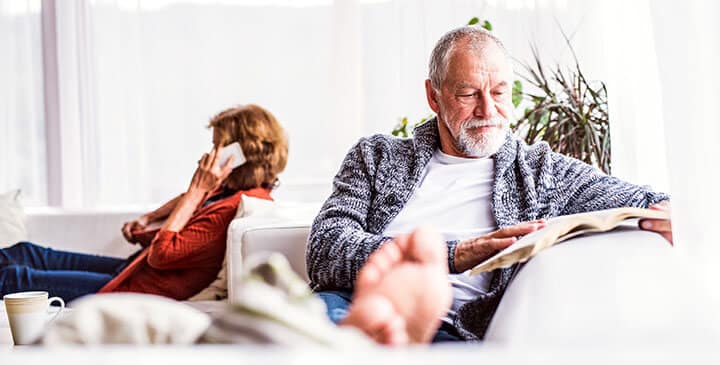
[[68, 275], [338, 302]]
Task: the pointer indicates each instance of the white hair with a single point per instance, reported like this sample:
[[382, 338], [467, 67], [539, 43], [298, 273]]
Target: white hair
[[477, 39]]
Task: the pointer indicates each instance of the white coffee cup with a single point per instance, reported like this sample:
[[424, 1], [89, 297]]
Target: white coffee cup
[[28, 314]]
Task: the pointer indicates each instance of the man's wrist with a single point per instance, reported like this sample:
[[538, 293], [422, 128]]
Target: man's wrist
[[471, 252], [463, 252]]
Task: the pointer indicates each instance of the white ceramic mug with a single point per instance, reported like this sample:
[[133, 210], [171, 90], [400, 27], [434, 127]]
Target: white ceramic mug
[[28, 314]]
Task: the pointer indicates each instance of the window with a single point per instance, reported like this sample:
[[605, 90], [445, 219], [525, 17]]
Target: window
[[107, 101], [22, 119]]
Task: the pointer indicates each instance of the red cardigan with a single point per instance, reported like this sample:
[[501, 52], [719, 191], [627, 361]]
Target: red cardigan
[[178, 265]]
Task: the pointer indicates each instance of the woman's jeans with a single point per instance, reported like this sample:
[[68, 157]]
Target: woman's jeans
[[338, 303], [27, 267]]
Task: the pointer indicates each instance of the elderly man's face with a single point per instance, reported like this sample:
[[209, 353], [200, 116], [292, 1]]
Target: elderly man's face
[[474, 103]]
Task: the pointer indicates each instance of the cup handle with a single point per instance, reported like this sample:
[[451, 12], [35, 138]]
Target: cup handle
[[62, 306]]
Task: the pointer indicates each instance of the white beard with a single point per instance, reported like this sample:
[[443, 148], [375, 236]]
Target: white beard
[[481, 145]]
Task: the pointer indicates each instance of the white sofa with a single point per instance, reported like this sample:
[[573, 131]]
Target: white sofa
[[98, 232], [624, 287], [90, 231]]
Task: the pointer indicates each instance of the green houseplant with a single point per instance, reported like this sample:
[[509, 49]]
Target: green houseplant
[[567, 111]]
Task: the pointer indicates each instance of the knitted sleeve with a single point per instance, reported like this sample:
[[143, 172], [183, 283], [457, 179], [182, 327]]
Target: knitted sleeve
[[585, 188], [339, 243]]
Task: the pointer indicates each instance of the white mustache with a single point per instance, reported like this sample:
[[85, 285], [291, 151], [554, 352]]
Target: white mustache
[[477, 123]]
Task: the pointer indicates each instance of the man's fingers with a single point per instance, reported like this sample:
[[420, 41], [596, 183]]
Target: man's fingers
[[656, 225], [663, 205], [661, 226], [668, 237], [502, 243], [518, 230]]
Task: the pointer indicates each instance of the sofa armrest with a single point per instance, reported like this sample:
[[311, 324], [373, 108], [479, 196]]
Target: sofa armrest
[[252, 235], [289, 241], [624, 286]]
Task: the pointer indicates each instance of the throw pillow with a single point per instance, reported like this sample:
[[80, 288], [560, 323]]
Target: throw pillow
[[12, 219]]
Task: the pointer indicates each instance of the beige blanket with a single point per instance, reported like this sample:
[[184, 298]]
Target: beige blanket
[[274, 306]]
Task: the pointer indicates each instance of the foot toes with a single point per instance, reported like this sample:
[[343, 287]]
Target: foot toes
[[371, 315], [427, 246], [379, 263], [368, 277], [395, 333], [385, 256]]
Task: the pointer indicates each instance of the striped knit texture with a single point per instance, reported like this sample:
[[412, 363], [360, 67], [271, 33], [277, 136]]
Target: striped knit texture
[[380, 173]]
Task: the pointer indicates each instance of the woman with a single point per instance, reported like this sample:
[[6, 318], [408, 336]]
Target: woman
[[183, 256]]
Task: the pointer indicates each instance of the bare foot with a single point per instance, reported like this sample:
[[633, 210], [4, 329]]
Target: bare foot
[[402, 291]]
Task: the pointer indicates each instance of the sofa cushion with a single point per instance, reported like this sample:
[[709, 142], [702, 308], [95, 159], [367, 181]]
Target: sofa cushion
[[12, 219]]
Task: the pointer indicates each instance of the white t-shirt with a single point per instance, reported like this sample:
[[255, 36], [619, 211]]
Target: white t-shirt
[[454, 197]]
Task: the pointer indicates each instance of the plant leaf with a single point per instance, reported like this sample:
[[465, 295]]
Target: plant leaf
[[486, 24], [474, 21], [517, 93]]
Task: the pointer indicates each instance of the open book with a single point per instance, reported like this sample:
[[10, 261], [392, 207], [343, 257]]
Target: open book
[[562, 228]]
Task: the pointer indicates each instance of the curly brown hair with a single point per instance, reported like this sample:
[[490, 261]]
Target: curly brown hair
[[262, 139]]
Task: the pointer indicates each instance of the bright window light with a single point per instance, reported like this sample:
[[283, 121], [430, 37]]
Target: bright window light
[[11, 7]]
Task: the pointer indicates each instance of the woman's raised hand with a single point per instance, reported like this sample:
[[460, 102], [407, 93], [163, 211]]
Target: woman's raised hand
[[209, 175]]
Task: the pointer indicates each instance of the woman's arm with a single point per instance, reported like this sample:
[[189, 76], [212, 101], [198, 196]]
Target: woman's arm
[[164, 210], [131, 230], [183, 210]]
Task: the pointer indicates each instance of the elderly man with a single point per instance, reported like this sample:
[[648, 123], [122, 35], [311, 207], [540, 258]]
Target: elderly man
[[464, 173]]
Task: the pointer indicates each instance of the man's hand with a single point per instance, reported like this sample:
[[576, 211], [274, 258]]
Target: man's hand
[[137, 225], [471, 252], [662, 226]]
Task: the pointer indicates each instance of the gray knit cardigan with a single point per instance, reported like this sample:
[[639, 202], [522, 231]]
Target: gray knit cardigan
[[380, 173]]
